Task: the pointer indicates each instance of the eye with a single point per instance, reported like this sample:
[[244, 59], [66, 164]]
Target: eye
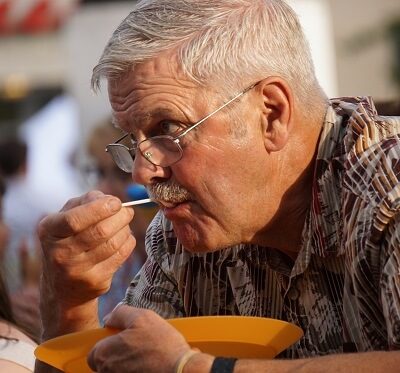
[[170, 127]]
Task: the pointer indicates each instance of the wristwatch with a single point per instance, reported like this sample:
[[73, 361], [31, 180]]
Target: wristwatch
[[223, 365]]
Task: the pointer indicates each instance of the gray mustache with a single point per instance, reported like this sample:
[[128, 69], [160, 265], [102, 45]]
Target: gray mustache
[[168, 191]]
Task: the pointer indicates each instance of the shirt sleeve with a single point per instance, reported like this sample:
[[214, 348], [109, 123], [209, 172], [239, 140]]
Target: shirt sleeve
[[154, 287]]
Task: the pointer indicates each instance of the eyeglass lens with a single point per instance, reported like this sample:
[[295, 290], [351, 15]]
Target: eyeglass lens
[[121, 156], [160, 150]]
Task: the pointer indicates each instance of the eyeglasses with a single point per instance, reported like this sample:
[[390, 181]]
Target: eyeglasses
[[163, 150]]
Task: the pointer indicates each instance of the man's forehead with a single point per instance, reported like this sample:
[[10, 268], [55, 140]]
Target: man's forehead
[[136, 85], [161, 69], [151, 90]]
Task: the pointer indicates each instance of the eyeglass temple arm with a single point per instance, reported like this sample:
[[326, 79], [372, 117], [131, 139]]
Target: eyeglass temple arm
[[121, 138], [217, 110], [116, 141]]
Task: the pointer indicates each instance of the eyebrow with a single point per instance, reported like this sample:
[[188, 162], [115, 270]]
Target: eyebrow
[[162, 112], [145, 116]]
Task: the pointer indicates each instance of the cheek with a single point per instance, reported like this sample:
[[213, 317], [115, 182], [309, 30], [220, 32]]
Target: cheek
[[221, 168], [216, 179]]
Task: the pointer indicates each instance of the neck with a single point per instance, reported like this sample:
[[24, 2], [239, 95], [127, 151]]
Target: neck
[[288, 224], [294, 190]]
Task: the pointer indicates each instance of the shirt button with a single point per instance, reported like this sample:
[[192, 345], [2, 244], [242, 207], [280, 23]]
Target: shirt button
[[293, 294]]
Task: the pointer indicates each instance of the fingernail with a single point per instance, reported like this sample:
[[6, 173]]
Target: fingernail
[[107, 317], [113, 204]]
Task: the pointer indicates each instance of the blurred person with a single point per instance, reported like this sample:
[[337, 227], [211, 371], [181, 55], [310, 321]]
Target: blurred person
[[108, 178], [16, 347], [52, 136], [275, 200], [22, 210], [102, 172]]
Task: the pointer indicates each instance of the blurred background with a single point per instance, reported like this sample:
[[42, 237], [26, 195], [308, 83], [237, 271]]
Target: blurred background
[[47, 51]]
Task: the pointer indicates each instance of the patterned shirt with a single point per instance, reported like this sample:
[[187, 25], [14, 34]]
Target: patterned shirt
[[343, 289]]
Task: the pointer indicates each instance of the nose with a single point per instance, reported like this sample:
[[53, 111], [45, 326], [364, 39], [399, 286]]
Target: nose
[[144, 172]]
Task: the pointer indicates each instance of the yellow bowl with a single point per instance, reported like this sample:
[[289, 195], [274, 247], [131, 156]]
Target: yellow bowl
[[235, 336]]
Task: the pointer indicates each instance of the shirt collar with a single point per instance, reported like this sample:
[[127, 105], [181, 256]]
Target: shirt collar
[[322, 232]]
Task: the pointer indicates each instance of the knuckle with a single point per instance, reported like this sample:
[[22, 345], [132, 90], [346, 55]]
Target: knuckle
[[84, 283], [143, 316], [129, 213], [64, 270], [93, 195], [71, 221], [95, 291], [63, 258], [130, 244], [58, 259], [41, 229], [131, 241], [69, 204], [96, 357], [101, 231], [127, 247]]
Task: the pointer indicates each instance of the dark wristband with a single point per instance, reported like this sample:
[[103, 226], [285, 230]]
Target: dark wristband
[[223, 365]]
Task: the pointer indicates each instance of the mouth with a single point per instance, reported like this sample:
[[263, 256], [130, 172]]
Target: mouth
[[173, 210], [167, 204]]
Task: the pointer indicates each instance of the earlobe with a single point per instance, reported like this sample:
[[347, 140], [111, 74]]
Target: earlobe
[[277, 113], [276, 137]]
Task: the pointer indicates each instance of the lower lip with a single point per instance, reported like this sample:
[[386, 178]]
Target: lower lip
[[175, 212]]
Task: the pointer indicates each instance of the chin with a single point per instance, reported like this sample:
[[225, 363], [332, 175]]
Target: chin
[[195, 244], [197, 241]]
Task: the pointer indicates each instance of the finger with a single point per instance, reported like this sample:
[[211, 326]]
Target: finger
[[74, 258], [85, 198], [110, 265], [79, 218], [97, 278], [118, 248], [105, 229], [101, 351], [108, 315]]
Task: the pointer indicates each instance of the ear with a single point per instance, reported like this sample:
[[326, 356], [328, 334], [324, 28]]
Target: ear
[[277, 112]]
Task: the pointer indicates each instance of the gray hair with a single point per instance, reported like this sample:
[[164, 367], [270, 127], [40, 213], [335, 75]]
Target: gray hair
[[232, 42]]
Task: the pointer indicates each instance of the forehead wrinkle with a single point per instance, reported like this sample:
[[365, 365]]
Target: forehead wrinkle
[[130, 110], [130, 94], [123, 103]]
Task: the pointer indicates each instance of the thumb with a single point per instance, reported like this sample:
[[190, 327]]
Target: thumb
[[122, 317], [108, 315]]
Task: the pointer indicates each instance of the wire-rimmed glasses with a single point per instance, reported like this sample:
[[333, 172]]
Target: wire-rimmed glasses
[[162, 150]]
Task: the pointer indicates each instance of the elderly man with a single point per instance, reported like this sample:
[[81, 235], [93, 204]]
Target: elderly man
[[275, 201]]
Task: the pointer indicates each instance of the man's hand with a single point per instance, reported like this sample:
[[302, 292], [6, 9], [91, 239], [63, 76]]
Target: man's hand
[[83, 245], [147, 343]]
